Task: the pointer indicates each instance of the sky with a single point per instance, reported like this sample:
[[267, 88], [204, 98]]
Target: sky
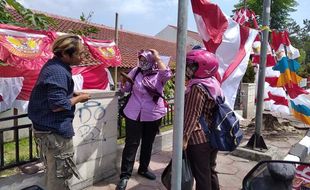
[[141, 16]]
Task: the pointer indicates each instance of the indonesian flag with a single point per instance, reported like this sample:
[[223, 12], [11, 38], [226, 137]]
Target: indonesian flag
[[230, 41], [23, 52]]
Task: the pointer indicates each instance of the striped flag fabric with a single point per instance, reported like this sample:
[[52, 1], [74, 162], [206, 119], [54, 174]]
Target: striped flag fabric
[[230, 41]]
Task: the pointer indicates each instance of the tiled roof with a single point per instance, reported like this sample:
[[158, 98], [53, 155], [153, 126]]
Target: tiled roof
[[129, 43]]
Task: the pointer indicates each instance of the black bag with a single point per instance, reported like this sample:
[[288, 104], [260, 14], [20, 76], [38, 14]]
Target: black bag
[[187, 176], [124, 100]]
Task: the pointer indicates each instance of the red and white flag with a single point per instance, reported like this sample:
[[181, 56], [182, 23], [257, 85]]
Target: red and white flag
[[230, 41]]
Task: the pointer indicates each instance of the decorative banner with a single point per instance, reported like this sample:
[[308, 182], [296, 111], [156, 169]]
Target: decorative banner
[[230, 41], [25, 51], [104, 51]]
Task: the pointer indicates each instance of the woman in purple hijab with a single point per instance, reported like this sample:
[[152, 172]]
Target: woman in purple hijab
[[143, 112]]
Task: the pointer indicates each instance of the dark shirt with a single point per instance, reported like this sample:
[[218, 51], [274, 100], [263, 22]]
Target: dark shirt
[[53, 90]]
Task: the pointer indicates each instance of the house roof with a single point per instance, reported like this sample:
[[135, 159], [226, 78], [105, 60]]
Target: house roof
[[129, 43]]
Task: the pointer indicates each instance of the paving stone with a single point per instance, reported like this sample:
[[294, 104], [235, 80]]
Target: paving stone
[[229, 181], [224, 159], [281, 144], [227, 169]]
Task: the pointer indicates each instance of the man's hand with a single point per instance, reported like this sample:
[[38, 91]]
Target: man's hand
[[83, 97]]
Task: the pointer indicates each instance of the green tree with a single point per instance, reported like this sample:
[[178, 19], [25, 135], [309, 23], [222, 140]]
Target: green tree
[[249, 76], [29, 18], [87, 29], [279, 14]]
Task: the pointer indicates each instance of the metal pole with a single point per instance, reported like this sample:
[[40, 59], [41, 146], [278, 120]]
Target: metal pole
[[262, 68], [116, 42], [179, 96]]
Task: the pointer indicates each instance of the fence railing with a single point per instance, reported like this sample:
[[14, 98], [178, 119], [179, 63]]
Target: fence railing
[[166, 121], [31, 153], [17, 161]]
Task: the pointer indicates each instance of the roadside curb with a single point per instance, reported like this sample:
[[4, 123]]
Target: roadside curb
[[300, 150]]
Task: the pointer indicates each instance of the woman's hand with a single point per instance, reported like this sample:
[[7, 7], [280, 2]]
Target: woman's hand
[[156, 54], [159, 62]]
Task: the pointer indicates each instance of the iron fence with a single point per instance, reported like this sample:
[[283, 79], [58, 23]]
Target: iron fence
[[17, 161], [166, 120]]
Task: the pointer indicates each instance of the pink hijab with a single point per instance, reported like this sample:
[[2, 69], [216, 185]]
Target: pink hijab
[[211, 83]]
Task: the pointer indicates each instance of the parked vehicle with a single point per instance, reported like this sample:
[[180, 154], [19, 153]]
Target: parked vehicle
[[278, 175]]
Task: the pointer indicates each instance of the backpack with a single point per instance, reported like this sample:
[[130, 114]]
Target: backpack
[[225, 135]]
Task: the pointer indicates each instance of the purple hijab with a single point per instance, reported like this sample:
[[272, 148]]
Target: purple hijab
[[211, 83]]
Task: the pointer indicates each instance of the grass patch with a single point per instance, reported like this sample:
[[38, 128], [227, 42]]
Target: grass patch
[[9, 151], [9, 172], [166, 128]]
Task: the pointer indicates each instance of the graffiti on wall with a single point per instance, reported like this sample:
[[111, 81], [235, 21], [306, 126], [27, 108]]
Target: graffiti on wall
[[91, 121]]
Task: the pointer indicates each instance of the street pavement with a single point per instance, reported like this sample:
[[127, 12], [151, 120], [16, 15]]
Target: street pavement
[[231, 169]]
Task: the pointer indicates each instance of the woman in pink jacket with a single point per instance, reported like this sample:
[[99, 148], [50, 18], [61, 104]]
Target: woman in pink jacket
[[143, 112]]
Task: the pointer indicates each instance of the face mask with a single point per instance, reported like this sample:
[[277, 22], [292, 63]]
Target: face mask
[[144, 65]]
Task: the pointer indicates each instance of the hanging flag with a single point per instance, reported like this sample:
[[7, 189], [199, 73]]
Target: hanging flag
[[230, 41], [246, 17], [25, 51]]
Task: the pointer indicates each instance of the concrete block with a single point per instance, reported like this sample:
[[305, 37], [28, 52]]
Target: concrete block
[[93, 171], [299, 150], [94, 150], [271, 154]]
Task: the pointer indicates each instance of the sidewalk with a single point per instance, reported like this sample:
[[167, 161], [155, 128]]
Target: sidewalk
[[231, 169], [231, 172]]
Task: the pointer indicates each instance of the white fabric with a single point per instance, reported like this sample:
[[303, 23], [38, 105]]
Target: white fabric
[[226, 53], [303, 99], [9, 90], [78, 82], [306, 142], [21, 105], [269, 72], [292, 158], [165, 59], [110, 78], [292, 52]]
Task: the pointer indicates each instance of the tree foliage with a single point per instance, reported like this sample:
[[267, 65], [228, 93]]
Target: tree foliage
[[29, 18], [87, 29], [279, 14]]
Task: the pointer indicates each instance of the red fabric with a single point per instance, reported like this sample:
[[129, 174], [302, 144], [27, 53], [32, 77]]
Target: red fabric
[[25, 51], [270, 62], [246, 17], [294, 90], [272, 81], [106, 51], [279, 100], [214, 20], [95, 77], [278, 38]]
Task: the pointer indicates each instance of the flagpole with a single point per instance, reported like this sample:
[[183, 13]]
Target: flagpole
[[257, 141], [179, 97], [116, 43]]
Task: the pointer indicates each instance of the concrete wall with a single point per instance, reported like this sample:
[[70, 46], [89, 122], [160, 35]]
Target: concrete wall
[[162, 142], [248, 100], [95, 126]]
